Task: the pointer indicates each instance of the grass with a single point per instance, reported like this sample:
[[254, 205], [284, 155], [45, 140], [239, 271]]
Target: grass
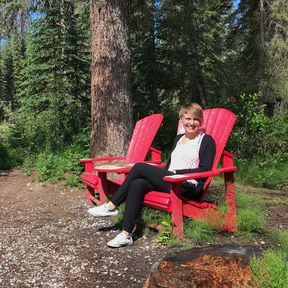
[[250, 215], [270, 270], [280, 239], [198, 232]]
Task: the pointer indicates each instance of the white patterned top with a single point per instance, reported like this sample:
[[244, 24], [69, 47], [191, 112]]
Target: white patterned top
[[186, 154]]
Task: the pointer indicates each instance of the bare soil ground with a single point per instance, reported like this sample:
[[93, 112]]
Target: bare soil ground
[[47, 238]]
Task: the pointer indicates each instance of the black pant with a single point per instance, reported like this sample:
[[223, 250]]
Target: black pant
[[142, 179]]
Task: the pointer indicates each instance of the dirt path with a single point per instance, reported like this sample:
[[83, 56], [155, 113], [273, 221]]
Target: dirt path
[[47, 239]]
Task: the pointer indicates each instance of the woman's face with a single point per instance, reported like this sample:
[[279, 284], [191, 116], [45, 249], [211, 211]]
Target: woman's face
[[191, 124]]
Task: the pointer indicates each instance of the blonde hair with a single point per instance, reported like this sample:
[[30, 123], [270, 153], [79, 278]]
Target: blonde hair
[[193, 109]]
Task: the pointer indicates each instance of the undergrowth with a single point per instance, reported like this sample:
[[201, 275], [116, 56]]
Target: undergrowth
[[61, 165], [269, 172], [271, 269], [9, 157]]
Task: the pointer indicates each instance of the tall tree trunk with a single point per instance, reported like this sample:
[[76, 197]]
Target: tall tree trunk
[[111, 110], [262, 50]]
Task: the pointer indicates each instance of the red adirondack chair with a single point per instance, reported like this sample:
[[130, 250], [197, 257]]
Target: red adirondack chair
[[218, 123], [140, 145]]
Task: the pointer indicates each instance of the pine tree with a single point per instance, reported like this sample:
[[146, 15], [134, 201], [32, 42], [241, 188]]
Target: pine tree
[[50, 96], [277, 51], [146, 75], [250, 47], [192, 41]]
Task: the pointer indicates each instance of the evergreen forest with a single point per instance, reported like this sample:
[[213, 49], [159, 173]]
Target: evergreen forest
[[219, 53]]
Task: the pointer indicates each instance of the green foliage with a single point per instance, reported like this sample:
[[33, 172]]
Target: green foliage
[[249, 220], [73, 180], [192, 70], [250, 215], [277, 50], [260, 145], [270, 271], [54, 166], [9, 158], [146, 73], [153, 216], [270, 172], [198, 231], [53, 90], [252, 124], [50, 166], [246, 38], [167, 132], [166, 232], [280, 238]]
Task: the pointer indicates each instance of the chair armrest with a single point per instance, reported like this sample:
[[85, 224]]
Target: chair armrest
[[122, 168], [101, 159], [155, 155], [89, 166], [206, 174], [227, 159], [157, 164]]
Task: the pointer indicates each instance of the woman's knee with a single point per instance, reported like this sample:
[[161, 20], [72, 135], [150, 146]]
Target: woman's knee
[[139, 187], [140, 166], [139, 184]]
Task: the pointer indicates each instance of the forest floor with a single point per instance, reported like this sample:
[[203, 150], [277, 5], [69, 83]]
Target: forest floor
[[47, 238]]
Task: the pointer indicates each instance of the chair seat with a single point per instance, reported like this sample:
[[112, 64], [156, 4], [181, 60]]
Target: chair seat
[[90, 180], [158, 199], [163, 201]]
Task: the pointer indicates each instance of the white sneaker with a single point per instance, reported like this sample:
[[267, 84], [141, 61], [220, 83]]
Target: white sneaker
[[120, 240], [102, 211]]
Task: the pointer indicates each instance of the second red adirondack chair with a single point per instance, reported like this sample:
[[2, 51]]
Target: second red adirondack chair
[[140, 145]]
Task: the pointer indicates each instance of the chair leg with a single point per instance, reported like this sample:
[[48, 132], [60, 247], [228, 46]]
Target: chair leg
[[177, 211], [230, 218], [103, 187], [91, 195], [92, 200]]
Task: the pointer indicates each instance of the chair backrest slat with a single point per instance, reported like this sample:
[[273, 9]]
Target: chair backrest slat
[[218, 122], [142, 137]]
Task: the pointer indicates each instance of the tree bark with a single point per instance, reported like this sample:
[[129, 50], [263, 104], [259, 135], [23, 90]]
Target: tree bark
[[111, 110]]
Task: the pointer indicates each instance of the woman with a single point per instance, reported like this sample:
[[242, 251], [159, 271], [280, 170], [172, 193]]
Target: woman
[[193, 151]]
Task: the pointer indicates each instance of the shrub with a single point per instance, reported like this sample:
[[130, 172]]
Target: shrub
[[247, 136], [269, 172], [54, 166], [9, 158]]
